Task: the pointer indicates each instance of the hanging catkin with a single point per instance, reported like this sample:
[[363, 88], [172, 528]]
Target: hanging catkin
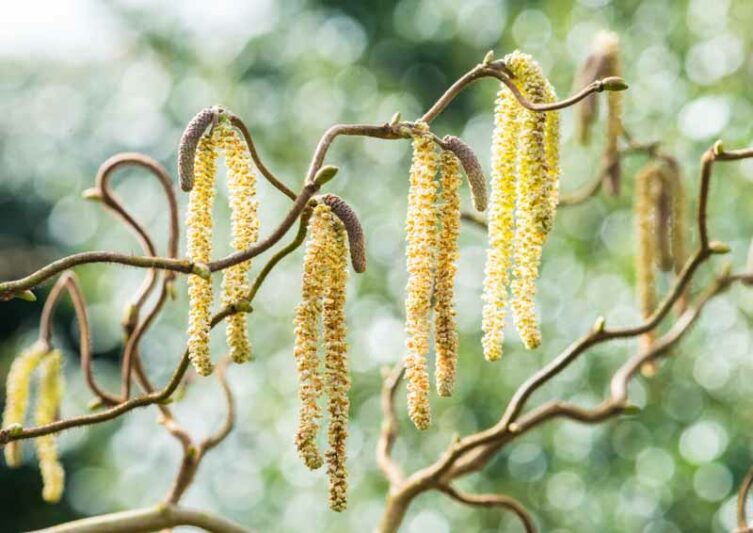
[[50, 393], [323, 298], [199, 226], [647, 183], [421, 235], [245, 232], [445, 334], [17, 395], [307, 322], [536, 195], [500, 222], [336, 373]]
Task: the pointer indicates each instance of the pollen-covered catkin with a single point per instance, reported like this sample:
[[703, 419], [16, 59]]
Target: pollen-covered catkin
[[646, 184], [421, 236], [445, 333], [199, 226], [336, 374], [609, 42], [307, 317], [538, 176], [49, 396], [500, 222], [17, 395], [245, 231]]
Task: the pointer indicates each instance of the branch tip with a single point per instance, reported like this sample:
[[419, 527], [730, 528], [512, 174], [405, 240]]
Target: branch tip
[[720, 248], [93, 194], [26, 296], [395, 120], [718, 148], [325, 174], [613, 83], [488, 58]]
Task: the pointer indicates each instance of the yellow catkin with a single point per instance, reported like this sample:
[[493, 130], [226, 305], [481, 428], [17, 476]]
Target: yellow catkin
[[445, 334], [536, 193], [337, 377], [50, 394], [199, 227], [609, 43], [17, 396], [679, 227], [500, 223], [421, 237], [646, 183], [245, 230], [307, 316]]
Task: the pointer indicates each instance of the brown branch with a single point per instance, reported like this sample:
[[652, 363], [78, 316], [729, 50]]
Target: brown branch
[[67, 282], [236, 121], [388, 433], [493, 500], [227, 426], [742, 496], [474, 451], [155, 518]]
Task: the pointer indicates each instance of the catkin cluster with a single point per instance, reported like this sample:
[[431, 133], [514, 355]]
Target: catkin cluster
[[322, 307], [200, 179], [603, 61], [49, 396], [432, 229], [660, 228], [525, 192]]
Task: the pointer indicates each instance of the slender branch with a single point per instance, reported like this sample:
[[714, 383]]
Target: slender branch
[[742, 497], [148, 519], [67, 282], [388, 433], [9, 288], [493, 500], [227, 426], [236, 121], [474, 451]]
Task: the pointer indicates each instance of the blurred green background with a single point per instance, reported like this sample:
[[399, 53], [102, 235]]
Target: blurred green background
[[82, 80]]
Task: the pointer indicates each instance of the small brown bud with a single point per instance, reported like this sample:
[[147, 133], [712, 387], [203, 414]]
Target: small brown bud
[[353, 227], [188, 143], [472, 169]]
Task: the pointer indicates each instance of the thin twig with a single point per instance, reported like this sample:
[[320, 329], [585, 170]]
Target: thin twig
[[493, 500], [236, 121], [742, 497], [388, 433], [148, 519], [68, 282]]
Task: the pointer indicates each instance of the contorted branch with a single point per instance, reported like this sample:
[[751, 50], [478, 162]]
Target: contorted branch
[[67, 282], [155, 518], [742, 497], [473, 452], [10, 289], [493, 500], [316, 176]]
